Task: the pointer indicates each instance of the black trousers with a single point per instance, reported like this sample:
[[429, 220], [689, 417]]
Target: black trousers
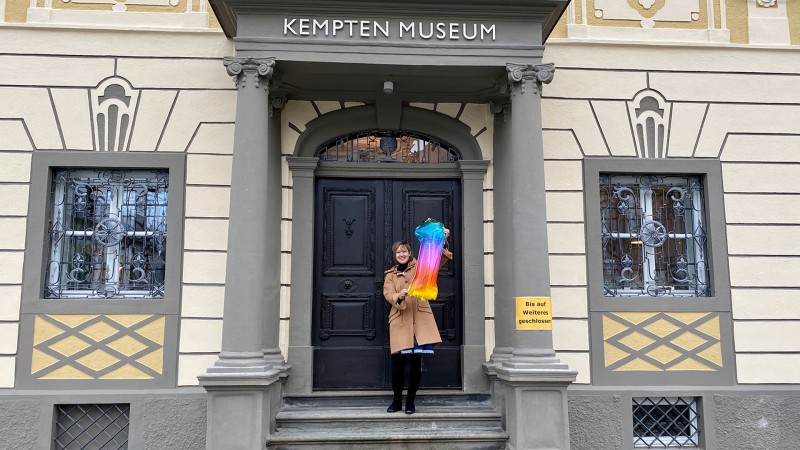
[[398, 375]]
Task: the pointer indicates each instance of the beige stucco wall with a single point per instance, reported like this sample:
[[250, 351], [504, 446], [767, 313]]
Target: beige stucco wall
[[714, 115], [44, 106], [733, 96]]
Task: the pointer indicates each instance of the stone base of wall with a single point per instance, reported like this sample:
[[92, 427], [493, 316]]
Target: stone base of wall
[[729, 420], [173, 419], [754, 421], [159, 421]]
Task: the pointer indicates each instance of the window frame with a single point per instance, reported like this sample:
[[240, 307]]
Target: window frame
[[710, 171], [43, 166], [718, 301], [647, 253], [37, 245], [59, 430], [114, 265], [693, 403]]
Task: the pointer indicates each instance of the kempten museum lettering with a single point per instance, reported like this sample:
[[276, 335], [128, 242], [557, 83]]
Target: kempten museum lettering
[[376, 29]]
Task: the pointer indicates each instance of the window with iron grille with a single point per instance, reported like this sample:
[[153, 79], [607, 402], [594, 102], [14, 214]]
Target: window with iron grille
[[108, 234], [388, 146], [92, 427], [653, 236], [666, 422]]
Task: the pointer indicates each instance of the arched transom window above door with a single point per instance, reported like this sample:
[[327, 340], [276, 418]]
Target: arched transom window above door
[[388, 146]]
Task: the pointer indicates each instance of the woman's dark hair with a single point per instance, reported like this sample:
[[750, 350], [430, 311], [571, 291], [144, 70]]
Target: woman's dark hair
[[399, 244]]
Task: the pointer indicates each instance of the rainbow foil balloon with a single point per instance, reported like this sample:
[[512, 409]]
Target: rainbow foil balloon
[[431, 239]]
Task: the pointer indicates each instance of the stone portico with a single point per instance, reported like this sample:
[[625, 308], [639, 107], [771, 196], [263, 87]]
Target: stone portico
[[386, 57]]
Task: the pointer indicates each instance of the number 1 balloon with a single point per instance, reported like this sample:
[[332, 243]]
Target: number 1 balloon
[[431, 241]]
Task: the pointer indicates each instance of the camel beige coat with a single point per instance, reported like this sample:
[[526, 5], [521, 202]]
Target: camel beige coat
[[412, 317]]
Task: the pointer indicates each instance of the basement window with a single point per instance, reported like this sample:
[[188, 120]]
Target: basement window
[[102, 426], [665, 422]]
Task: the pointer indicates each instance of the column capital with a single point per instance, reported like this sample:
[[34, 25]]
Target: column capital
[[519, 75], [500, 107], [259, 70], [276, 105]]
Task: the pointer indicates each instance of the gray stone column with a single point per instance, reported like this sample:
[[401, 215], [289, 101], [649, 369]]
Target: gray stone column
[[529, 382], [474, 348], [503, 316], [301, 352], [242, 388], [272, 229]]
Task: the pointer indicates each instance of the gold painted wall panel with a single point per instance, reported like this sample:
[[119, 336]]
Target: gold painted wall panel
[[662, 341], [793, 14], [98, 346], [213, 22], [560, 30], [17, 11], [736, 18]]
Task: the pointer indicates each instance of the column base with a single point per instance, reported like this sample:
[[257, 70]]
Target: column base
[[274, 357], [241, 410], [499, 355], [244, 395], [246, 364], [534, 409], [524, 361], [530, 390]]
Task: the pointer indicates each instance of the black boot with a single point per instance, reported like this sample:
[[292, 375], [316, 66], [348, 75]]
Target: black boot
[[398, 369], [413, 382]]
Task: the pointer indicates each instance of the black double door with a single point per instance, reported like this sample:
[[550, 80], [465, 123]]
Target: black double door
[[356, 222]]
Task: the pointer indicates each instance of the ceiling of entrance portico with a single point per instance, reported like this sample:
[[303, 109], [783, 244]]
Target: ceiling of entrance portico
[[364, 82]]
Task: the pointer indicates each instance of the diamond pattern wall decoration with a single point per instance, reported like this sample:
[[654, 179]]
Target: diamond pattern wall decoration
[[662, 341], [98, 346]]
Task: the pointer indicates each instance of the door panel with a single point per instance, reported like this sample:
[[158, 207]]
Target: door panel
[[417, 201], [349, 238], [356, 223]]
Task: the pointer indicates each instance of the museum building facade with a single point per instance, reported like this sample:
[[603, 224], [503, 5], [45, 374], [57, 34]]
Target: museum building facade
[[198, 205]]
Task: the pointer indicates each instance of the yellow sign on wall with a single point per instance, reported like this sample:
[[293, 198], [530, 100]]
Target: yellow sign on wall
[[534, 313]]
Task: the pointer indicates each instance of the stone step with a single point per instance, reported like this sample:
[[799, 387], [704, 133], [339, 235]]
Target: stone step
[[354, 418], [334, 421], [411, 439], [429, 398]]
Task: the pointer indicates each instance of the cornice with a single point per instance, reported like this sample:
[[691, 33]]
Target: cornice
[[546, 12]]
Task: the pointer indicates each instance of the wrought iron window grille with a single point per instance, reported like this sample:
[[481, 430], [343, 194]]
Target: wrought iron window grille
[[387, 146], [654, 236], [666, 422], [107, 234], [92, 427]]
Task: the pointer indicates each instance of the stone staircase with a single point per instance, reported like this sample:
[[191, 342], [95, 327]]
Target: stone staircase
[[360, 421]]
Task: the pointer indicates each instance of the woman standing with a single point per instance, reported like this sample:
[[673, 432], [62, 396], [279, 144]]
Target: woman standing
[[412, 327]]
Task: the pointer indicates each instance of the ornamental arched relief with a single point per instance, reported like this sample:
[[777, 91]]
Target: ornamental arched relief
[[648, 12], [650, 115], [113, 103]]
